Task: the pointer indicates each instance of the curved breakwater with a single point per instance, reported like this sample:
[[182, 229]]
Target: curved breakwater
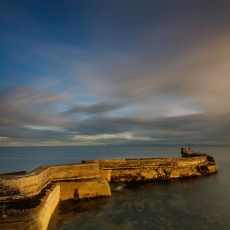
[[27, 200]]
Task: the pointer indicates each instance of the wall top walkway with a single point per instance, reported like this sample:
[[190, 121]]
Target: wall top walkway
[[122, 163], [31, 183]]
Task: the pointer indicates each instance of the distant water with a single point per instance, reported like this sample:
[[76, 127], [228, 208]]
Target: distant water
[[28, 158], [192, 203]]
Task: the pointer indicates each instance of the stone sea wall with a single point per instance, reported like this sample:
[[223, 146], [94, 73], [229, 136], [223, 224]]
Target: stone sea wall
[[27, 200], [32, 183], [32, 213], [154, 168]]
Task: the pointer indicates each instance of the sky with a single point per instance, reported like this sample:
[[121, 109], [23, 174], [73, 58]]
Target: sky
[[114, 72]]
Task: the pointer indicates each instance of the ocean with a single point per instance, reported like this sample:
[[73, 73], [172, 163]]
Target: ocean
[[189, 203]]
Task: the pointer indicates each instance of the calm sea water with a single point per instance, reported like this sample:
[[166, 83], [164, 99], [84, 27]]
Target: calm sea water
[[193, 203], [28, 158]]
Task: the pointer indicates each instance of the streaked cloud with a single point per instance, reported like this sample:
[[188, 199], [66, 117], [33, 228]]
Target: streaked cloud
[[156, 73], [95, 109], [109, 138], [45, 128]]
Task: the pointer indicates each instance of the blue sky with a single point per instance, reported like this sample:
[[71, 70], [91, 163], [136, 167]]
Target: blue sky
[[114, 72]]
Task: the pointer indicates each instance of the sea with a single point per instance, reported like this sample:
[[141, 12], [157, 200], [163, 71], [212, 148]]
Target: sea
[[188, 203]]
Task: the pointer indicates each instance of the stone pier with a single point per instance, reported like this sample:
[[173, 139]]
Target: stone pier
[[149, 169], [27, 200]]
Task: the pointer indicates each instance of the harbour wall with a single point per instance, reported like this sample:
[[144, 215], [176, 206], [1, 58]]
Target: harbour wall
[[154, 168], [27, 200], [32, 183]]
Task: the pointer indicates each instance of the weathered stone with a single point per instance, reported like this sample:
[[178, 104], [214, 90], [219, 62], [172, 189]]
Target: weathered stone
[[84, 188], [32, 183], [27, 201], [154, 168], [14, 215]]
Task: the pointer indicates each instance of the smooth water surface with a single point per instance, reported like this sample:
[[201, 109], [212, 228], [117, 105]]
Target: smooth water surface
[[14, 159], [195, 203]]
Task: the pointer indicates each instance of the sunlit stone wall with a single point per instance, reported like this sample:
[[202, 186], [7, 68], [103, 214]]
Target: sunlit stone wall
[[154, 168]]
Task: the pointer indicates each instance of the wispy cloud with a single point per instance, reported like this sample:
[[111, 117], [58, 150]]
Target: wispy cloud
[[95, 109], [109, 138], [155, 74]]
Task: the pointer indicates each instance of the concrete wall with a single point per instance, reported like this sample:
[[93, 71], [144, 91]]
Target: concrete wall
[[111, 163], [27, 201], [84, 188], [154, 168], [33, 182]]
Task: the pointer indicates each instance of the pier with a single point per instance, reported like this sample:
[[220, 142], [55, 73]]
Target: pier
[[27, 200]]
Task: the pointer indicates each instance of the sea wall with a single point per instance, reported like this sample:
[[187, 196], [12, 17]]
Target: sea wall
[[31, 184], [154, 168], [31, 213], [27, 200], [84, 188]]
